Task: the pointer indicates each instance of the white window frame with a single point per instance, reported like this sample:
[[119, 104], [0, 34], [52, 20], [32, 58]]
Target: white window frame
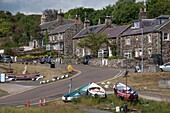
[[149, 38], [138, 52], [167, 36], [128, 54], [135, 25], [150, 52], [127, 41]]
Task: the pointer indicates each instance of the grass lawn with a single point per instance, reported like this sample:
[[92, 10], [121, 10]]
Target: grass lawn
[[145, 82], [87, 102], [44, 69]]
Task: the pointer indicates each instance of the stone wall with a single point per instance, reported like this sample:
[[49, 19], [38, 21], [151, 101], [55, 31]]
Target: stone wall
[[114, 63], [164, 83]]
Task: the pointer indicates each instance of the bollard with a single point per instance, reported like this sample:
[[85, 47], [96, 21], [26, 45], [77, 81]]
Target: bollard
[[40, 102], [44, 103], [28, 103]]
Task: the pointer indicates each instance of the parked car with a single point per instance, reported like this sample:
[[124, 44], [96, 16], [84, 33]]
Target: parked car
[[125, 92], [86, 59], [165, 67], [6, 59], [43, 60], [46, 59]]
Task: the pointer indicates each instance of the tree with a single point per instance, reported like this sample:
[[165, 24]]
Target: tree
[[156, 8], [126, 11], [94, 42], [46, 38]]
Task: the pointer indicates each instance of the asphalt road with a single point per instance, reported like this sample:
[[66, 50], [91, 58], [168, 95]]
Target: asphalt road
[[57, 89]]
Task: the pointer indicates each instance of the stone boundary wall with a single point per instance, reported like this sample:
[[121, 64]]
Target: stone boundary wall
[[164, 83], [114, 63]]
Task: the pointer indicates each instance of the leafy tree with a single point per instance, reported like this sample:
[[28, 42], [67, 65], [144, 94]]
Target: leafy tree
[[156, 8], [82, 12], [46, 38], [94, 42], [126, 11]]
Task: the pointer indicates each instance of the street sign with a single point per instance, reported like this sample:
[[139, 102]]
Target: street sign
[[2, 77]]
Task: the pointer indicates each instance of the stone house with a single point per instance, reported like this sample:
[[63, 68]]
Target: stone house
[[60, 33], [60, 39], [87, 30], [110, 30], [148, 35], [113, 35]]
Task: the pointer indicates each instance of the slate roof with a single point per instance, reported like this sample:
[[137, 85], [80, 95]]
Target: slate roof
[[61, 29], [154, 27], [115, 31], [89, 30], [46, 25]]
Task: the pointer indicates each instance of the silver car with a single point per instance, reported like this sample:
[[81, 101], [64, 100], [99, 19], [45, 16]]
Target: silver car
[[165, 67]]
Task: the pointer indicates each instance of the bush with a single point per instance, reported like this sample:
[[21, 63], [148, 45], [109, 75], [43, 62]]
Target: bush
[[113, 57]]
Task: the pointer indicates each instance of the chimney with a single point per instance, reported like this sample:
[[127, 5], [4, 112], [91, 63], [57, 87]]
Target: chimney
[[108, 21], [142, 14], [99, 21], [44, 18], [77, 20], [86, 23], [60, 16]]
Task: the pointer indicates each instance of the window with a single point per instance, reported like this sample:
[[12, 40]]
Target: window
[[138, 52], [166, 36], [127, 41], [149, 38], [135, 25], [150, 52], [128, 54]]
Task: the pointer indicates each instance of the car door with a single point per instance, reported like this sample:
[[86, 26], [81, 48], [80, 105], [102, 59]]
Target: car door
[[167, 67]]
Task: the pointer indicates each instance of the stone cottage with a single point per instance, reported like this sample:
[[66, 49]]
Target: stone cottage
[[87, 30], [60, 39], [147, 37]]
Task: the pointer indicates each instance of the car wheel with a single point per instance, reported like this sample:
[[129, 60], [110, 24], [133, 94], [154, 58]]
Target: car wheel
[[161, 69]]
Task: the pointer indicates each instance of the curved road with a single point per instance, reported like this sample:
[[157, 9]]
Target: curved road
[[57, 89]]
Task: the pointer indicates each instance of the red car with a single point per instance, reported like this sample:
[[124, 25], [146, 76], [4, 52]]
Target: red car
[[125, 92]]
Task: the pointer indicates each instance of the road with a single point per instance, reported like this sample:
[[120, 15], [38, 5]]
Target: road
[[57, 89]]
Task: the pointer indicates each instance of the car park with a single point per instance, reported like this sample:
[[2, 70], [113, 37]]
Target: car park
[[165, 67]]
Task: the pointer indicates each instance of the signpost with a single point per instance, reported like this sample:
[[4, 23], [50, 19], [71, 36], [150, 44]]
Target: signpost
[[2, 77]]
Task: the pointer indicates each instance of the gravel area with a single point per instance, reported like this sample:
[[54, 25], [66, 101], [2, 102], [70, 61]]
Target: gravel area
[[14, 88]]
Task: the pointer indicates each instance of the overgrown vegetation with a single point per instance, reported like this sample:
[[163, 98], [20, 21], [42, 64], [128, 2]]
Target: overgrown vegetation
[[19, 29], [81, 105]]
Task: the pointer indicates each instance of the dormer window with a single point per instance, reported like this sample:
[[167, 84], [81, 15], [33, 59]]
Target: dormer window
[[135, 25]]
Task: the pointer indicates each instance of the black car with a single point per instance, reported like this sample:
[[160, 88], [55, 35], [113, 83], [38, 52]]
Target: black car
[[6, 59], [46, 59], [86, 59]]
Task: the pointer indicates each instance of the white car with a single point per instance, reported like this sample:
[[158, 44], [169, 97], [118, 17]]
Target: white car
[[165, 67]]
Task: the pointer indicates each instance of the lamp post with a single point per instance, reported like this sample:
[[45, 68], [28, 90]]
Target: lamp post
[[142, 67]]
